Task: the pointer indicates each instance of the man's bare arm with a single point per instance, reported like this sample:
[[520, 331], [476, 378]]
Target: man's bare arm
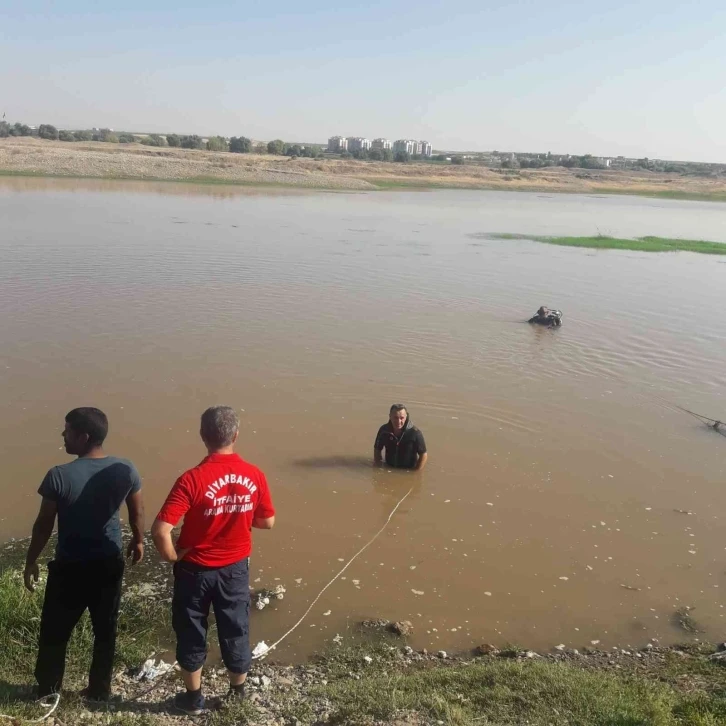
[[161, 534], [267, 523], [42, 530], [421, 463], [135, 504]]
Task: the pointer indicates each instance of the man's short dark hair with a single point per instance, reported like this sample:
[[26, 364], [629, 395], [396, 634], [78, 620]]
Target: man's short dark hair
[[90, 421], [398, 407], [220, 425]]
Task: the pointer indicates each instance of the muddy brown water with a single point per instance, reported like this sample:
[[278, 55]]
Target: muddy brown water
[[555, 507]]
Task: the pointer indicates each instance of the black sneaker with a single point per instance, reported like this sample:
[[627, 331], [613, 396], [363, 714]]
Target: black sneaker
[[94, 697], [190, 703], [235, 694]]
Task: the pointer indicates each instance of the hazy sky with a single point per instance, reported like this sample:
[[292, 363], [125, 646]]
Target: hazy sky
[[639, 78]]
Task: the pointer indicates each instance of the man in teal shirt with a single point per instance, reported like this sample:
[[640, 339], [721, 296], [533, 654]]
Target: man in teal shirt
[[86, 496]]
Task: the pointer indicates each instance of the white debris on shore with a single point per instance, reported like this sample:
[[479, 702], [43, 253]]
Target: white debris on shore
[[263, 597]]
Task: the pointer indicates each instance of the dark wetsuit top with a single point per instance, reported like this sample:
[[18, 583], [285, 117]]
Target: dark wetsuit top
[[549, 321], [402, 451]]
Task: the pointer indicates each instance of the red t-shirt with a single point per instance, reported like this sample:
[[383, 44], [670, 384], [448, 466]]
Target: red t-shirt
[[218, 499]]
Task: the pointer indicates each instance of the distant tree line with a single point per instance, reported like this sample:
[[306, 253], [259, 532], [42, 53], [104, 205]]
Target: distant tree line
[[587, 161], [235, 144], [373, 155], [48, 131]]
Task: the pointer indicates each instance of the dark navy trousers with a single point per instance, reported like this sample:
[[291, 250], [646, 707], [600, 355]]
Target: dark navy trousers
[[227, 590]]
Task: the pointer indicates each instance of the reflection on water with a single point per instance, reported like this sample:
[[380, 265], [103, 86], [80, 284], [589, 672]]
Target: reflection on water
[[562, 479]]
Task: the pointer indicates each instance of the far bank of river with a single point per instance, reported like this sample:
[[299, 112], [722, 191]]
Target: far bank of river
[[37, 157]]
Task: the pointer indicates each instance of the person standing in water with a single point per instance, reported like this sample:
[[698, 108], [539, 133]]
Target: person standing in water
[[403, 442]]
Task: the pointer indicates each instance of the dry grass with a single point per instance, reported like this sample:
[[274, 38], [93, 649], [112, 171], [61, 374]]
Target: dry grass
[[132, 161]]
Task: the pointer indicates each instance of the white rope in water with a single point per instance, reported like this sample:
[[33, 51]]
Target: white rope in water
[[43, 702], [266, 651], [345, 567]]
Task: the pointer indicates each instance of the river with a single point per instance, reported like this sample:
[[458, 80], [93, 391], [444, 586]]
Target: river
[[566, 499]]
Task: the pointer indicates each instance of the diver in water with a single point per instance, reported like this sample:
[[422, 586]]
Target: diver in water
[[548, 318]]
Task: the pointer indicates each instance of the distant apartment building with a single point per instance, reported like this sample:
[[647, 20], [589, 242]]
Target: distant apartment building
[[358, 143], [337, 144], [407, 146]]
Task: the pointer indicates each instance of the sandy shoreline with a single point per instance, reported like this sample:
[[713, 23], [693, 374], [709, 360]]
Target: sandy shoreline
[[36, 157]]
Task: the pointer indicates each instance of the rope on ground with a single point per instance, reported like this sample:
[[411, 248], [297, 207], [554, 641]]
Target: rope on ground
[[43, 702], [344, 568]]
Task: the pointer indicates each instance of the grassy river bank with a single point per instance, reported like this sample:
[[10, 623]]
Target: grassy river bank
[[26, 156], [369, 676]]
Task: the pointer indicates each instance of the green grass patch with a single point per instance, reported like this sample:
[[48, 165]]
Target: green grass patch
[[503, 692], [640, 244]]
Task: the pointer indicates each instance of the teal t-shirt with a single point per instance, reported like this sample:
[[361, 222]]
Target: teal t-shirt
[[89, 494]]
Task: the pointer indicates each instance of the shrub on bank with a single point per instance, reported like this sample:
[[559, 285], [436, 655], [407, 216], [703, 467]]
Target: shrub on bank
[[191, 142], [217, 143], [46, 131], [154, 140], [240, 145], [104, 135]]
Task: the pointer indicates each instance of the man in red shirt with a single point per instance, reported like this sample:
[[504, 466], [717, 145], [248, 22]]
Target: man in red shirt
[[221, 499]]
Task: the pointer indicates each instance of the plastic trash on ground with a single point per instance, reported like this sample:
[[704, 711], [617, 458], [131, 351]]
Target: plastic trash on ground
[[151, 670]]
